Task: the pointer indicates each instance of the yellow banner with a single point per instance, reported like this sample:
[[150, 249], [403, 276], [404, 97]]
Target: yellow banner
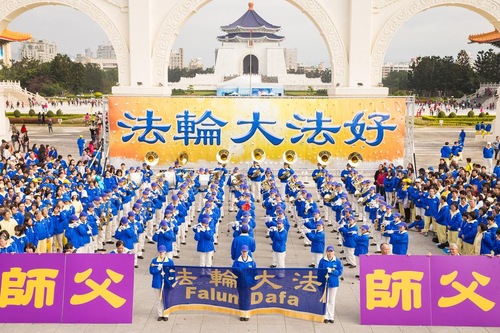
[[372, 127]]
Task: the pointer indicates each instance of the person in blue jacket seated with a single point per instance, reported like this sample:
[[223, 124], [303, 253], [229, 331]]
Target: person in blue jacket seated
[[329, 270], [245, 269], [163, 272]]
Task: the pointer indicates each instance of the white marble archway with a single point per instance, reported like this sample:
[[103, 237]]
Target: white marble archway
[[98, 10], [313, 9], [402, 11]]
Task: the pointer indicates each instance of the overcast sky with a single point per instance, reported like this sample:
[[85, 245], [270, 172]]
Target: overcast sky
[[440, 31]]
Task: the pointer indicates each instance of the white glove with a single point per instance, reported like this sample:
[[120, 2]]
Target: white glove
[[273, 229], [160, 267], [308, 231], [353, 232], [390, 231], [269, 219], [329, 269]]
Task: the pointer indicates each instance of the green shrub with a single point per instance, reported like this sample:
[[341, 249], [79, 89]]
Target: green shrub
[[32, 113], [470, 114], [481, 115], [50, 114], [441, 114], [59, 112], [17, 113], [452, 115], [98, 94]]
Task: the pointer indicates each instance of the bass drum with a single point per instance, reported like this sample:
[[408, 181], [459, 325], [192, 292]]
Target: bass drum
[[169, 176]]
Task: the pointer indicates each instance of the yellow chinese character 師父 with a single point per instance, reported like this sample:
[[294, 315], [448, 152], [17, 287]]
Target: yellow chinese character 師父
[[386, 290], [464, 292], [98, 289], [18, 287]]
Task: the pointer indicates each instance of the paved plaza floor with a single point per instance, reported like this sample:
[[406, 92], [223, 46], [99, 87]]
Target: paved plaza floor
[[427, 144]]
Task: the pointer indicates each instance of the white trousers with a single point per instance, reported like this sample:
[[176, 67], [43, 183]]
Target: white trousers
[[330, 303]]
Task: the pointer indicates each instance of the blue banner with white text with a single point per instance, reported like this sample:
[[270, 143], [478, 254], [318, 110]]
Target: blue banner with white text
[[293, 292]]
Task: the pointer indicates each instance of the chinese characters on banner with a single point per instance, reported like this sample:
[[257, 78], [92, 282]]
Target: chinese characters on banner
[[291, 292], [374, 127], [430, 291], [59, 288]]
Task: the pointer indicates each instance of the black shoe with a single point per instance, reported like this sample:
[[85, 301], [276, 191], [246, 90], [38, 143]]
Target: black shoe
[[353, 266], [332, 321], [215, 243], [165, 318], [326, 321], [295, 225], [267, 236], [110, 242], [160, 319], [357, 276], [301, 237], [306, 245], [371, 237], [151, 242], [342, 251], [378, 251], [343, 258], [272, 266], [247, 319], [143, 250], [176, 257], [183, 243], [136, 266], [101, 250], [311, 265], [242, 318], [140, 257], [373, 244]]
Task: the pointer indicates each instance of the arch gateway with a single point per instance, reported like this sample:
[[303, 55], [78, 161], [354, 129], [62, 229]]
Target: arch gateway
[[356, 33]]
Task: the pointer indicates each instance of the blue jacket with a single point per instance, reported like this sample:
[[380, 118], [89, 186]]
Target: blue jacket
[[443, 216], [76, 234], [488, 152], [431, 205], [158, 267], [317, 239], [468, 231], [245, 272], [127, 235], [399, 241], [165, 237], [279, 238], [445, 152], [238, 242], [333, 277], [349, 233], [362, 243], [205, 240], [455, 221]]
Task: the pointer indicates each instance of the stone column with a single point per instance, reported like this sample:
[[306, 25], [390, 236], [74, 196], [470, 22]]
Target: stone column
[[496, 126]]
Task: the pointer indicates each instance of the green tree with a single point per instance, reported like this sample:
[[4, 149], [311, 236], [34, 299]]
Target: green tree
[[487, 66], [396, 82]]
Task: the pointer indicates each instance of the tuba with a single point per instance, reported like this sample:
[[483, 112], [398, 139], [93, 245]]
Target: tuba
[[290, 157], [258, 155], [324, 157], [183, 158], [151, 158], [222, 156], [354, 159]]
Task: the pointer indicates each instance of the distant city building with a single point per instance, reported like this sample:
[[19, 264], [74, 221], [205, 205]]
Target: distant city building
[[105, 52], [39, 49], [399, 67], [196, 63], [176, 59], [291, 59], [106, 57]]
